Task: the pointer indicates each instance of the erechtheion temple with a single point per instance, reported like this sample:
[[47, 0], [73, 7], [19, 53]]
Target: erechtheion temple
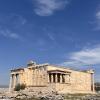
[[51, 78]]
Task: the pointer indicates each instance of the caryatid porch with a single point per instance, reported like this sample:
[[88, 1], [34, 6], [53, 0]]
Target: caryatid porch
[[58, 76]]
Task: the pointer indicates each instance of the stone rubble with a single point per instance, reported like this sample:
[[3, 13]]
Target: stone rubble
[[25, 95]]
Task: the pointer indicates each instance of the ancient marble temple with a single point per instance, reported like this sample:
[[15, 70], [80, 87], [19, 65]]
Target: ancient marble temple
[[50, 78]]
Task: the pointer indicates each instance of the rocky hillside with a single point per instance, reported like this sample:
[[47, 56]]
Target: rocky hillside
[[25, 95]]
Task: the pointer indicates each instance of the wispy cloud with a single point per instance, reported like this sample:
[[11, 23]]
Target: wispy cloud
[[89, 56], [51, 37], [98, 15], [48, 7], [9, 34], [10, 25], [12, 20], [17, 20], [97, 21]]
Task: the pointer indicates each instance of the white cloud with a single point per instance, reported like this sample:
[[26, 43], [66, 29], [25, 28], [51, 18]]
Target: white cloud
[[48, 7], [97, 20], [84, 57], [98, 15], [9, 34]]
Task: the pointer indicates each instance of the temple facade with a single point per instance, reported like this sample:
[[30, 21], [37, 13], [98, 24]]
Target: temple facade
[[50, 78]]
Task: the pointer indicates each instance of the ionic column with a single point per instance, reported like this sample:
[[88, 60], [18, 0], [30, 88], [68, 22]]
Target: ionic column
[[20, 78], [63, 78], [17, 78], [66, 78], [10, 84], [51, 78], [14, 84], [92, 81], [56, 78], [60, 78]]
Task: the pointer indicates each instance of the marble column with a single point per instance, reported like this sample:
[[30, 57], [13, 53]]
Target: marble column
[[10, 84], [56, 78], [63, 78], [66, 78], [17, 78], [51, 78], [60, 78], [20, 79], [92, 78], [14, 80]]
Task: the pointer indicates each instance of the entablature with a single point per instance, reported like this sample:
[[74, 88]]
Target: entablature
[[59, 71]]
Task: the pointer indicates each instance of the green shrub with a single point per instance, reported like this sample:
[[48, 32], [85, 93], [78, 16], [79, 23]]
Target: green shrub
[[22, 86], [19, 87]]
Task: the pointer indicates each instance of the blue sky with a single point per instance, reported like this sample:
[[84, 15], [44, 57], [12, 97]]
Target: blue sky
[[61, 32]]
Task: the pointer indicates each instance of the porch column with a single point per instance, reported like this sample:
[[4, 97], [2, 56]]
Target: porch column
[[10, 84], [92, 78], [14, 77], [60, 78], [56, 78], [51, 78], [20, 78], [66, 78], [63, 78], [48, 80], [17, 78]]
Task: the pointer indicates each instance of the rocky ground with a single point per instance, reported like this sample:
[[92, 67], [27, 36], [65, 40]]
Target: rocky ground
[[24, 95]]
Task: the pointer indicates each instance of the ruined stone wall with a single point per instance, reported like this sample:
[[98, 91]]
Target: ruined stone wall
[[34, 77], [81, 81]]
